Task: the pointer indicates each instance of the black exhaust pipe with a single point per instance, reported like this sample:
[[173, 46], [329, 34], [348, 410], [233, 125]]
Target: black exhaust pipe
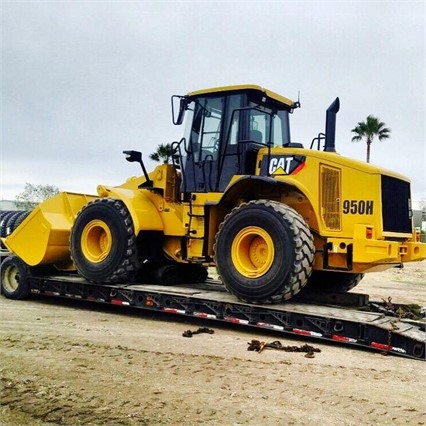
[[330, 126]]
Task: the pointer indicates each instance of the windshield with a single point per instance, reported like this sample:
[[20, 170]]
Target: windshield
[[223, 135], [269, 127], [203, 127]]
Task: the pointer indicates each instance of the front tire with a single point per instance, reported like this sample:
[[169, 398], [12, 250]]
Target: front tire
[[14, 278], [103, 242], [264, 252]]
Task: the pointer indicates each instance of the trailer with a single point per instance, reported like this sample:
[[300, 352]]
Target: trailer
[[349, 318]]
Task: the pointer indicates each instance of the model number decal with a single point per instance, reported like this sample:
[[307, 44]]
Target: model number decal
[[358, 207]]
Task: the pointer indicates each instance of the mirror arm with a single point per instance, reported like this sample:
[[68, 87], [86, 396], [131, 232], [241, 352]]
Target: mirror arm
[[136, 156]]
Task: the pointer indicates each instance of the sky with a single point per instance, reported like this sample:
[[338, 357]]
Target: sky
[[81, 81]]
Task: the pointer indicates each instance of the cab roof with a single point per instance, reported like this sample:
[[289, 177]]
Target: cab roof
[[244, 88]]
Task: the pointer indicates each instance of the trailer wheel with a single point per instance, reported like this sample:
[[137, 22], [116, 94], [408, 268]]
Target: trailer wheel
[[264, 252], [332, 282], [14, 274], [103, 242]]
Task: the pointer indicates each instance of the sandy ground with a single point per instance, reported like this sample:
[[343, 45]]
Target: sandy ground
[[64, 362]]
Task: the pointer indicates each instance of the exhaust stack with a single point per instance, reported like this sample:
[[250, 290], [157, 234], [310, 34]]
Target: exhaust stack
[[330, 126]]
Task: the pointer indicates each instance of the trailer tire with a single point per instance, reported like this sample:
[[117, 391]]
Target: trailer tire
[[103, 243], [264, 252], [14, 278], [332, 282]]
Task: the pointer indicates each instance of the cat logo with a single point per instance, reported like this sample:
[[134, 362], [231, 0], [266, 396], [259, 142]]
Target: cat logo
[[277, 171], [282, 164]]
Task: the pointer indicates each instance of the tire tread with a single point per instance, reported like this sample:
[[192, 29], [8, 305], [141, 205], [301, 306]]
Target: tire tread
[[304, 252]]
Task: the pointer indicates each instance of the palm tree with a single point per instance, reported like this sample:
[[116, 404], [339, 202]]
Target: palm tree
[[163, 153], [368, 129]]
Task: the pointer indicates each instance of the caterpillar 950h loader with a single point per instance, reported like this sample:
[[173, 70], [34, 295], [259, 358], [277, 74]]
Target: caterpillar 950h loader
[[271, 215]]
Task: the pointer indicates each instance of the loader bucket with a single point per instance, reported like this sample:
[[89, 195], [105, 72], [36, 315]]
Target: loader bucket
[[43, 237]]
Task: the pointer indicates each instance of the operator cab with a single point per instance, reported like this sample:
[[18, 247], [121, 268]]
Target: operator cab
[[225, 128]]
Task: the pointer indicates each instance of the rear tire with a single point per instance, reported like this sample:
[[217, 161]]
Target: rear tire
[[103, 242], [264, 252], [14, 278]]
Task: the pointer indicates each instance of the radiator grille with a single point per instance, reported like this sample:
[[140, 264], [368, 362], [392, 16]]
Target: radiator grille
[[330, 197], [396, 205]]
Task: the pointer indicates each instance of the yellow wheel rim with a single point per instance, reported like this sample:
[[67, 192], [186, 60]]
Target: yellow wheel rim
[[11, 278], [96, 241], [252, 252]]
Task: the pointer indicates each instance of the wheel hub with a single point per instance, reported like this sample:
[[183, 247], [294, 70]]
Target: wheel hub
[[252, 252], [96, 241], [11, 278]]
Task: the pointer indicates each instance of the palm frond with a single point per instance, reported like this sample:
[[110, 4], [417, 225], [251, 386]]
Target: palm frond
[[369, 129]]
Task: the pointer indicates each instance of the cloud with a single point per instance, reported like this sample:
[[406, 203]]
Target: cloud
[[83, 81]]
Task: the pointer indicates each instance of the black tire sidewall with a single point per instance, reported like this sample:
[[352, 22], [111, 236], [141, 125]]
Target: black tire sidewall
[[109, 214], [278, 229], [23, 290]]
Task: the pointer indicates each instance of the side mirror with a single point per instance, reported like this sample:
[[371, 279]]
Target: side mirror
[[179, 104], [136, 156], [133, 156]]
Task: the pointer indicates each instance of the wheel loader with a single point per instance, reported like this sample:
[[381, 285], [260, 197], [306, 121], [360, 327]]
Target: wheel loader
[[273, 216]]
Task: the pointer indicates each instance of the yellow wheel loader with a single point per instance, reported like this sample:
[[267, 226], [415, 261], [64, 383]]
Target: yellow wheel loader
[[274, 217]]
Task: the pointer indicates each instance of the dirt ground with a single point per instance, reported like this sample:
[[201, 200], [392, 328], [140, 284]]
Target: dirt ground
[[71, 363]]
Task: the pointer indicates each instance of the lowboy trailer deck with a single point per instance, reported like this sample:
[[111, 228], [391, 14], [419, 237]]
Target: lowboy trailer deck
[[354, 327]]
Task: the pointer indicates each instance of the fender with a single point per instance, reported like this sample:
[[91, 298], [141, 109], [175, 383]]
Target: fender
[[141, 207], [252, 187]]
